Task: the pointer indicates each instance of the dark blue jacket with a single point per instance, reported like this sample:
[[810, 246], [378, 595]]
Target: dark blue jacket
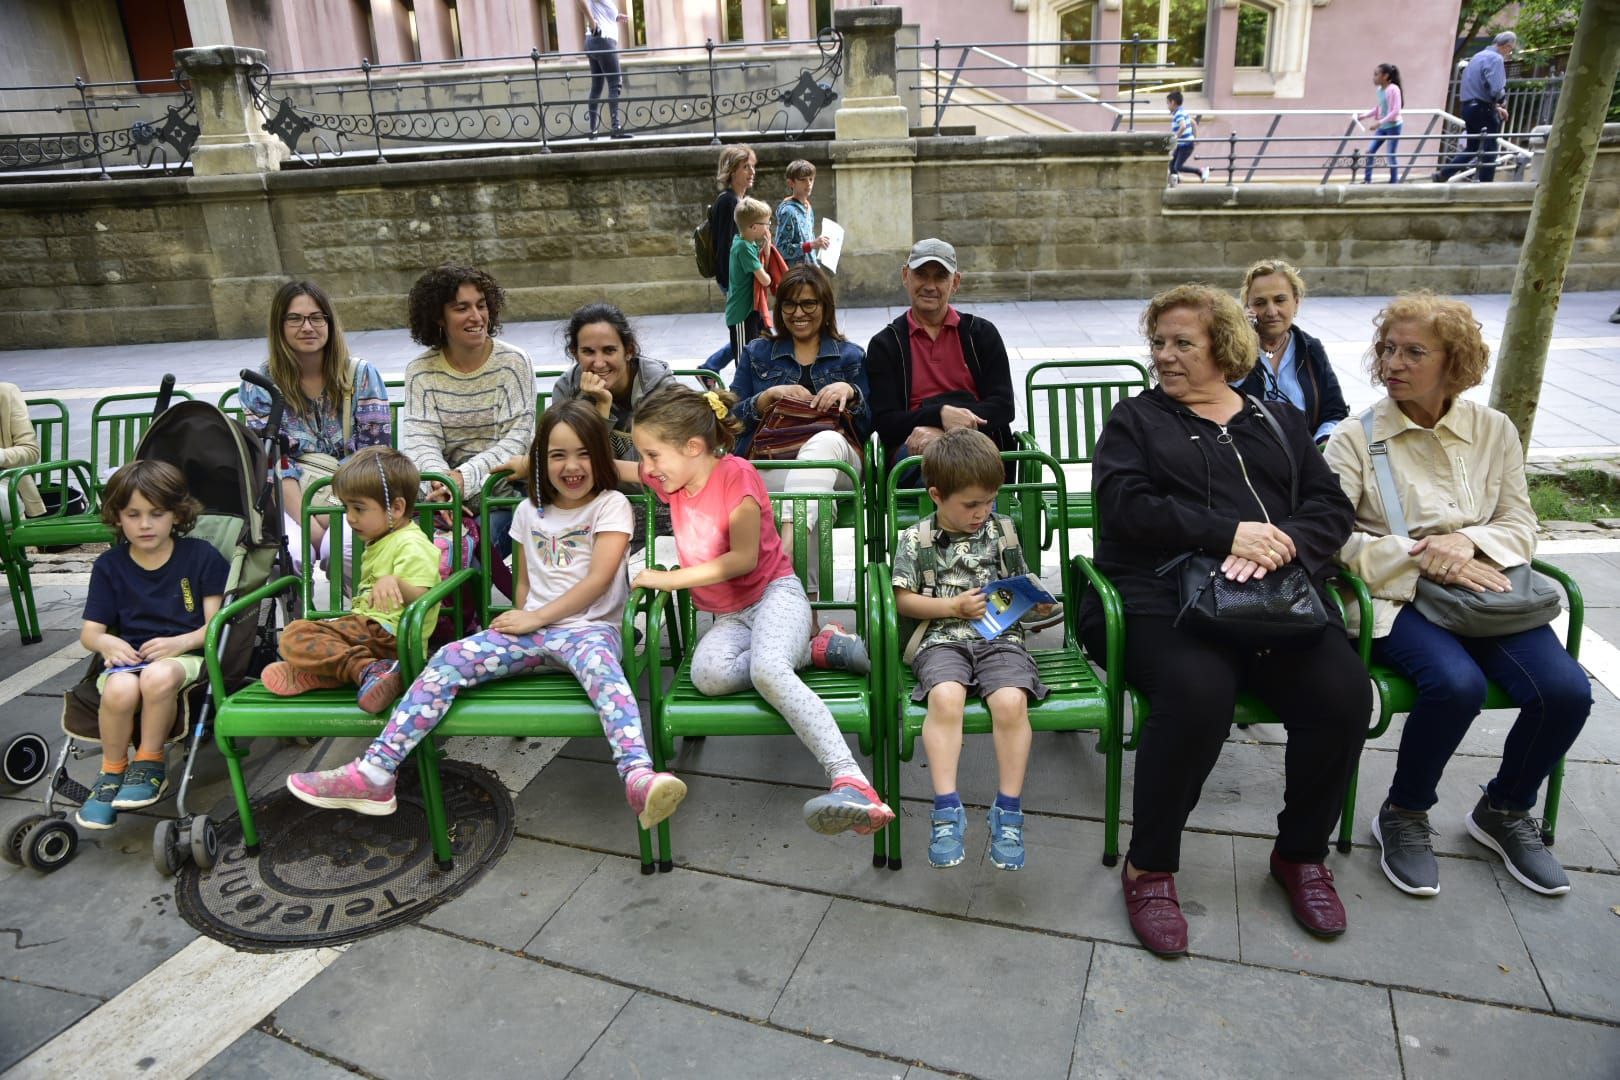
[[1324, 401], [769, 362]]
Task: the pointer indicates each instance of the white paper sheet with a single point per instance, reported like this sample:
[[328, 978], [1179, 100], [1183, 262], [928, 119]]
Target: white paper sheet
[[834, 233]]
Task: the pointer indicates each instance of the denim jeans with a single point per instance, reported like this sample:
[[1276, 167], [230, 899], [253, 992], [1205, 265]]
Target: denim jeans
[[1386, 136], [1552, 692]]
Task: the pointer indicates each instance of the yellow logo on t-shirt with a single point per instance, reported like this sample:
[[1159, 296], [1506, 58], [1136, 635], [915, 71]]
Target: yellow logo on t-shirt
[[185, 594]]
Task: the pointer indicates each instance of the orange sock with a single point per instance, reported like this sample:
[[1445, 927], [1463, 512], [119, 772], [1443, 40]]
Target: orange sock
[[148, 755], [109, 765]]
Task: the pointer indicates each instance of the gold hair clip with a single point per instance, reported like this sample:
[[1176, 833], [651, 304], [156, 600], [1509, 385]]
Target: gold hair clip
[[715, 403]]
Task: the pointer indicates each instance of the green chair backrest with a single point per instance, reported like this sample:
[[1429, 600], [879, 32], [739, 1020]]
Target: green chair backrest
[[702, 377], [117, 423], [49, 417], [1073, 398], [545, 380], [794, 529]]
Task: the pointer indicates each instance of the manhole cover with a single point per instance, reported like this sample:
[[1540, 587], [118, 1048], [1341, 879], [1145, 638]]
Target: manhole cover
[[323, 877]]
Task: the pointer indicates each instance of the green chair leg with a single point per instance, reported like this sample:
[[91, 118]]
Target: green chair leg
[[666, 855], [644, 839], [244, 809], [1555, 791], [427, 767], [1347, 819]]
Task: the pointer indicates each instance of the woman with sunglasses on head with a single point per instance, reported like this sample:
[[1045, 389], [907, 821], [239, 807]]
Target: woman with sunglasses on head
[[336, 404], [1293, 366]]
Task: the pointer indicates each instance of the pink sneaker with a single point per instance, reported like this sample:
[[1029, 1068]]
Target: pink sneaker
[[832, 648], [343, 788], [653, 795], [380, 686], [851, 804], [284, 680]]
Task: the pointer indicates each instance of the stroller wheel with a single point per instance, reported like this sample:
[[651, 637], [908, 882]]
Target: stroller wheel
[[11, 845], [50, 846], [166, 853], [204, 842]]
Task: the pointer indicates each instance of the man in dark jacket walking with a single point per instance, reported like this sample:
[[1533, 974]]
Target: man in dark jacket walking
[[935, 368]]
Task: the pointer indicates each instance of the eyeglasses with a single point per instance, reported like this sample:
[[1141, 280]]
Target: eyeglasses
[[809, 307], [296, 322], [1415, 354]]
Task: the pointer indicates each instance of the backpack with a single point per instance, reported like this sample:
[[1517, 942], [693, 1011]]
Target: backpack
[[912, 631], [703, 244]]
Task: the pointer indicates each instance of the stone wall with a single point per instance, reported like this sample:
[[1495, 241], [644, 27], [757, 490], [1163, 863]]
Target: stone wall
[[1033, 217]]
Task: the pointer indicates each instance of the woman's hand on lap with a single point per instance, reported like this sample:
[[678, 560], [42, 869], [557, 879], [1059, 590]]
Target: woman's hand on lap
[[1237, 569], [1441, 557], [1262, 544], [1478, 576], [833, 395]]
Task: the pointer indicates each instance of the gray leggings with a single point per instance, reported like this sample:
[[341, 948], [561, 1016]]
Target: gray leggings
[[763, 647]]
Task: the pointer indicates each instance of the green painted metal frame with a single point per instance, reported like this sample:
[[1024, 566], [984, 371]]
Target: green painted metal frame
[[1080, 699], [680, 710], [51, 432]]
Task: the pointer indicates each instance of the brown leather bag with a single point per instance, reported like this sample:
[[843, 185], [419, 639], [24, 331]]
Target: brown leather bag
[[788, 425]]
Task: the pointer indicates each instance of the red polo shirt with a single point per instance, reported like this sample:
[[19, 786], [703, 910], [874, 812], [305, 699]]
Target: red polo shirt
[[937, 364]]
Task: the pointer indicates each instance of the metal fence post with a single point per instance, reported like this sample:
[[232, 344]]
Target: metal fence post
[[90, 122], [1231, 157], [539, 99], [714, 107], [939, 112], [1136, 48], [371, 104]]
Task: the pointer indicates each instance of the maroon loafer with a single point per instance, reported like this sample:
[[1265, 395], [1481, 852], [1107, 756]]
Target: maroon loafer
[[1311, 894], [1155, 912]]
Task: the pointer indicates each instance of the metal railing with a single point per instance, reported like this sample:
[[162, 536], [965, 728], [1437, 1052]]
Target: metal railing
[[159, 134], [1530, 101], [527, 101]]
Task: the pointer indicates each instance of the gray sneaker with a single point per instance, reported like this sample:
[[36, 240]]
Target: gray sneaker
[[1515, 836], [1407, 856]]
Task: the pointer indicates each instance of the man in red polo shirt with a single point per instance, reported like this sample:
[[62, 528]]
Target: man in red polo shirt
[[935, 368]]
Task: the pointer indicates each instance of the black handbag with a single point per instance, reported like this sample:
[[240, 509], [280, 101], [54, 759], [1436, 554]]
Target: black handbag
[[1282, 610]]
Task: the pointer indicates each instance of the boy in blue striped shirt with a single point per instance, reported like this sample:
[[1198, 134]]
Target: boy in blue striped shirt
[[1183, 128]]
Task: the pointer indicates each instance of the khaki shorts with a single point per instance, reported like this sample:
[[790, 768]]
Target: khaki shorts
[[983, 667], [191, 662]]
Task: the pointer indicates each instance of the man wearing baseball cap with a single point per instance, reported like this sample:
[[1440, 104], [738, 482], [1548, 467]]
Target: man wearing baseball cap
[[935, 368]]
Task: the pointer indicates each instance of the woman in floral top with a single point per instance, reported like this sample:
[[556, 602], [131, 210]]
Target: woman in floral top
[[336, 404]]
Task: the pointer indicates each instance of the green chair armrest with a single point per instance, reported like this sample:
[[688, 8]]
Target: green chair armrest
[[223, 618], [81, 470], [410, 632], [1114, 628], [1364, 611], [1576, 604]]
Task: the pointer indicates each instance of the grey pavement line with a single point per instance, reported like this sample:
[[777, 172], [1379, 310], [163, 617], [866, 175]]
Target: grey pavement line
[[1395, 1026], [268, 1026], [1064, 935], [616, 1014]]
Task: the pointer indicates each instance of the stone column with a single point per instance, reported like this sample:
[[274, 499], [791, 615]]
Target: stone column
[[233, 138], [872, 157], [209, 21]]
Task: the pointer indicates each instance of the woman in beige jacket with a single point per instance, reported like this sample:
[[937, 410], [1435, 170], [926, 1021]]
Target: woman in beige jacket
[[1459, 472], [18, 446]]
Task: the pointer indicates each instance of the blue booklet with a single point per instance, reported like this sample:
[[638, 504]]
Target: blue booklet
[[127, 667], [1007, 601]]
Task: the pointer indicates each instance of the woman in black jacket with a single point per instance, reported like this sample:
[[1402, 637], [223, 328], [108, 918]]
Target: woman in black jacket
[[1292, 365], [1190, 465]]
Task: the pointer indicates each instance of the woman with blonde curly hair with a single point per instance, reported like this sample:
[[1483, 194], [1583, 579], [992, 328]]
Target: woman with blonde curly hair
[[1458, 471], [1193, 466]]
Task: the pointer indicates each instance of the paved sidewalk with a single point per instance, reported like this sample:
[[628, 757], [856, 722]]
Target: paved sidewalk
[[773, 952]]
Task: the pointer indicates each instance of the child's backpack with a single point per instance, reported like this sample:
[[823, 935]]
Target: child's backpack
[[912, 631], [703, 243]]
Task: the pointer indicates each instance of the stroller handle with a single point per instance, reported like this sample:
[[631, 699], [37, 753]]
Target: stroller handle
[[272, 427], [165, 394]]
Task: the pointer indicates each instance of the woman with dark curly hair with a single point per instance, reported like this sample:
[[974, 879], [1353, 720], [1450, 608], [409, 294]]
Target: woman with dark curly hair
[[1193, 466], [469, 399]]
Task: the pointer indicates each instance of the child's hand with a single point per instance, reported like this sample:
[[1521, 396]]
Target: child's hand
[[516, 622], [1041, 611], [968, 605], [657, 580], [116, 652], [385, 594], [162, 648], [823, 243]]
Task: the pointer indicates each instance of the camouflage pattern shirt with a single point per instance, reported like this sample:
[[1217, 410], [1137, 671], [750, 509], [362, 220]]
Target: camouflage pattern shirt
[[962, 562]]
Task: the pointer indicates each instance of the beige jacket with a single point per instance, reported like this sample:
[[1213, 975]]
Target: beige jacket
[[18, 446], [1466, 475]]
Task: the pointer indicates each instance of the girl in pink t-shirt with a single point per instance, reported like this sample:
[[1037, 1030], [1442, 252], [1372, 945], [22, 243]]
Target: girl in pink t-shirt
[[733, 565], [568, 542]]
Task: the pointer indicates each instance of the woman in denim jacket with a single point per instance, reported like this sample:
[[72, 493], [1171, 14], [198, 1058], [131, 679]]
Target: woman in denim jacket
[[805, 358]]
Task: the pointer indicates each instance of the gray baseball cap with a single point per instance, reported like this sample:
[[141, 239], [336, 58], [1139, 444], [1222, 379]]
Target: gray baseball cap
[[932, 250]]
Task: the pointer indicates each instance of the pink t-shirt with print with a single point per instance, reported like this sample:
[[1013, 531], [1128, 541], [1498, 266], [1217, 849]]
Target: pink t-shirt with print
[[702, 524]]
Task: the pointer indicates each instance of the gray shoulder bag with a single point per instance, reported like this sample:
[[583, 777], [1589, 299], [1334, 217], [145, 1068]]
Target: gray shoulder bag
[[1531, 601]]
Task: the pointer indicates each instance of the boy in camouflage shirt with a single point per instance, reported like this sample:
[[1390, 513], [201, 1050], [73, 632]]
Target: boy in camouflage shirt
[[940, 568]]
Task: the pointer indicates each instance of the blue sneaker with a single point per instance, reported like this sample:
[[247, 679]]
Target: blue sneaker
[[97, 811], [1006, 838], [946, 848], [144, 784]]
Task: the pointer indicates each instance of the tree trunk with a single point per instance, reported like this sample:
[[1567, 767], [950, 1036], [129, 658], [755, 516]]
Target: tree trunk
[[1571, 149]]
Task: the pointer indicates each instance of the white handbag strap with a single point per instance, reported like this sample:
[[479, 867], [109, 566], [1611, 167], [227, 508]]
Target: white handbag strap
[[1394, 515]]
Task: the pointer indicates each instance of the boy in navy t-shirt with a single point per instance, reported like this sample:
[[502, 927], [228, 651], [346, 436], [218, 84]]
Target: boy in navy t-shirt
[[159, 588]]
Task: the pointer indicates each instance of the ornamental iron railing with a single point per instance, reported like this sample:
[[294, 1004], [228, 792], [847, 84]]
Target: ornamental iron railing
[[160, 138]]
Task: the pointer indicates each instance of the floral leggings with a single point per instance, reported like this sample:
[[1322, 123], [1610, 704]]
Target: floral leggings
[[590, 652]]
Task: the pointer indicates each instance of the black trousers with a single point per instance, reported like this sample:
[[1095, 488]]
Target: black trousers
[[1482, 124], [1320, 693], [602, 54]]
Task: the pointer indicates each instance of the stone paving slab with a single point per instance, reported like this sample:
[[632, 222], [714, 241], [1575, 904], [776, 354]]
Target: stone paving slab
[[417, 1003], [957, 976], [513, 900], [257, 1056], [1198, 1018], [1599, 739], [31, 1016], [1572, 939], [1459, 1040], [714, 940], [1597, 789], [666, 1039], [1458, 942]]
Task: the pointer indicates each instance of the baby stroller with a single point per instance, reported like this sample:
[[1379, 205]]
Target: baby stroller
[[227, 470]]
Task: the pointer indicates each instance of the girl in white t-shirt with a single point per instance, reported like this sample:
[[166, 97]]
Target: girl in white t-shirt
[[569, 541]]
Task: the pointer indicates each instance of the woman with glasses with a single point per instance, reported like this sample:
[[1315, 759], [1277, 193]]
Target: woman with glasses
[[1457, 468], [805, 359], [1293, 366], [336, 403]]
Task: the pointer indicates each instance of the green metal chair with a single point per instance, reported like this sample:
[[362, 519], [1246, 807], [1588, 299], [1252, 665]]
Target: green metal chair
[[705, 379], [680, 710], [117, 423], [49, 418], [254, 711], [1079, 701]]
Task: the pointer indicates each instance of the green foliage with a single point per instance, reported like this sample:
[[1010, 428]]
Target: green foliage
[[1578, 495], [1546, 30]]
